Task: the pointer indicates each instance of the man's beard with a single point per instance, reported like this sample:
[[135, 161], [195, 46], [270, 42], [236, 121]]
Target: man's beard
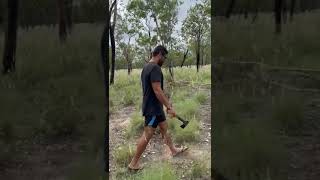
[[160, 63]]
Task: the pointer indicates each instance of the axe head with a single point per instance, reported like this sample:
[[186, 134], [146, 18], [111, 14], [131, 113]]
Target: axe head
[[185, 123]]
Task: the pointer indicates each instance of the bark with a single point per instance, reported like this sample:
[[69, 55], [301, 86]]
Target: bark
[[62, 21], [230, 8], [113, 46], [184, 57], [69, 15], [255, 15], [10, 43], [284, 12], [198, 53], [277, 11], [292, 9], [105, 66]]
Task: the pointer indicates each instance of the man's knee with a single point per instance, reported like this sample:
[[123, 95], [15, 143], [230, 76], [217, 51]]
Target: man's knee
[[148, 133]]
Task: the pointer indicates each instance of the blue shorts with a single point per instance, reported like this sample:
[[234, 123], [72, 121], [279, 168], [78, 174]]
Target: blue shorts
[[153, 121]]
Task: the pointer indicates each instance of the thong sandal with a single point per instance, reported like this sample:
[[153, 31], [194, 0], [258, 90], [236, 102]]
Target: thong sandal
[[183, 149], [135, 169]]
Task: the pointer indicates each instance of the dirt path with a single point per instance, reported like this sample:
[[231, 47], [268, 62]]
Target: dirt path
[[37, 161], [156, 150], [305, 148]]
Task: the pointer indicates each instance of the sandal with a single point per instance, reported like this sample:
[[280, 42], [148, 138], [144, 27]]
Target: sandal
[[183, 149], [135, 169]]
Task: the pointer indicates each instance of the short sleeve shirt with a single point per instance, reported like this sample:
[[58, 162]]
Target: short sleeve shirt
[[151, 72]]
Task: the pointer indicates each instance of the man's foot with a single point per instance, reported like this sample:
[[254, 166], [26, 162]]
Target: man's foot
[[137, 167], [179, 151]]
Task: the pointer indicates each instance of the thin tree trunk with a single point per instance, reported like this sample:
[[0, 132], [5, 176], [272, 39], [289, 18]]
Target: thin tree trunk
[[160, 38], [230, 8], [113, 54], [69, 15], [113, 44], [184, 57], [277, 10], [10, 43], [284, 12], [198, 53], [62, 21], [105, 66], [245, 14], [292, 8], [255, 16], [202, 53]]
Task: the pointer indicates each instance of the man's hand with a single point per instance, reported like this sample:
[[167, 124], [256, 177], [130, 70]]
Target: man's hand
[[171, 111]]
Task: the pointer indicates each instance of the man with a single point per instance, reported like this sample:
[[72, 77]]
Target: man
[[152, 106]]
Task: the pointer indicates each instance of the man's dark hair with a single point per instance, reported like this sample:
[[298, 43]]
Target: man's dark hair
[[159, 49]]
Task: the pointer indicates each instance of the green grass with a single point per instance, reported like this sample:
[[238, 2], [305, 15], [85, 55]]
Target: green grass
[[191, 75], [124, 154], [57, 89], [296, 47], [159, 171], [190, 133], [198, 169], [201, 97], [187, 108], [246, 148], [86, 169], [249, 149], [136, 125], [288, 114]]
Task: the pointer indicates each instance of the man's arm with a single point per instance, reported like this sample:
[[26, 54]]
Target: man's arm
[[156, 86]]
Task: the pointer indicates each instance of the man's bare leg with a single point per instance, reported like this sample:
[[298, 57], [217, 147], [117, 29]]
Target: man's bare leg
[[141, 146], [167, 139]]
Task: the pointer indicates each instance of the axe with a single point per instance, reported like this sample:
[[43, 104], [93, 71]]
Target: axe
[[185, 123]]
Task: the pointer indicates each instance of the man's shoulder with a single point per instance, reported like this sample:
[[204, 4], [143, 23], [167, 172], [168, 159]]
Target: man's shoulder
[[151, 66]]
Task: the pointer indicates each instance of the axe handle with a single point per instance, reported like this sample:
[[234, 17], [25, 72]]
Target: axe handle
[[180, 118]]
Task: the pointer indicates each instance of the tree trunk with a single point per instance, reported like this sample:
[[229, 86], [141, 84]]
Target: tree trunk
[[277, 10], [10, 43], [255, 15], [302, 6], [198, 54], [284, 12], [113, 54], [230, 8], [202, 53], [184, 57], [69, 9], [113, 44], [126, 54], [62, 20], [245, 14], [105, 67], [292, 8]]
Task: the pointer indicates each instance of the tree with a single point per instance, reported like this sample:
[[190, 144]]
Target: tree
[[194, 27], [69, 8], [292, 8], [9, 55], [113, 9], [164, 15], [277, 11], [126, 30], [105, 66], [184, 57], [230, 8], [62, 20]]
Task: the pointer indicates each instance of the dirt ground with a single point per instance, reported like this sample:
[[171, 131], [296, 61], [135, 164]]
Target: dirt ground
[[39, 161]]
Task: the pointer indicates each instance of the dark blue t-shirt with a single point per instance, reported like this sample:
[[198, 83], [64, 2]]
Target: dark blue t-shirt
[[151, 72]]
